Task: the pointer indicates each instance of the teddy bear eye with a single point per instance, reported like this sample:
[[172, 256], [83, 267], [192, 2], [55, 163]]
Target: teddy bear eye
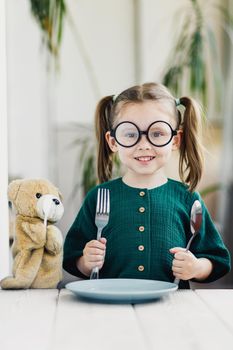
[[38, 195]]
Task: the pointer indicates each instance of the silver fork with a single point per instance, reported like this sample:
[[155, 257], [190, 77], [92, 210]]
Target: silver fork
[[101, 219]]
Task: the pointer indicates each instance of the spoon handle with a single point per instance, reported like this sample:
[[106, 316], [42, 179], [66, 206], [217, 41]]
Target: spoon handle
[[177, 280], [190, 241]]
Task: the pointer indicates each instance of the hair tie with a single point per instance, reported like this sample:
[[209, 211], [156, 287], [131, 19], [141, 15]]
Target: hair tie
[[177, 102], [114, 97]]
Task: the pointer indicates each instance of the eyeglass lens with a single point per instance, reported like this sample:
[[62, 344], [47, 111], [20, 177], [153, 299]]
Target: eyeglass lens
[[159, 134]]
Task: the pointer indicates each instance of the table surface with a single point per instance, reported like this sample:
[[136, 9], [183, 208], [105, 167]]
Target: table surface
[[52, 319]]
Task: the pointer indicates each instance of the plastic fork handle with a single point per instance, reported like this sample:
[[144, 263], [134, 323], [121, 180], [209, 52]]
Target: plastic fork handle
[[94, 273]]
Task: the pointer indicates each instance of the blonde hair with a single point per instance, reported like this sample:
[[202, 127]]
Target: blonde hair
[[191, 156]]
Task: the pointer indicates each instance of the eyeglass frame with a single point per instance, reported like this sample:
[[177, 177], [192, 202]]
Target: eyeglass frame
[[143, 132]]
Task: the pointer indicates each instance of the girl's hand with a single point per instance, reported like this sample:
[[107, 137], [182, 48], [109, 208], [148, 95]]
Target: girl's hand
[[185, 265], [93, 255]]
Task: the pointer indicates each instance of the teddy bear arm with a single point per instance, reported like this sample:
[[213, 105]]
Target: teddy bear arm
[[54, 240], [36, 232]]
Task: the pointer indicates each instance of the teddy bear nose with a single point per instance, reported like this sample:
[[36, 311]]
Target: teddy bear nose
[[56, 201]]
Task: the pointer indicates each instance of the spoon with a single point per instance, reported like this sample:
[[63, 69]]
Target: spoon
[[195, 221], [195, 225]]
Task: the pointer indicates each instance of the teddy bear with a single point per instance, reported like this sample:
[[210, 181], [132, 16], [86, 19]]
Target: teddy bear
[[37, 246]]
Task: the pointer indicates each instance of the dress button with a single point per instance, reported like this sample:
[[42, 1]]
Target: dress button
[[141, 247], [141, 193], [141, 209], [141, 228], [141, 268]]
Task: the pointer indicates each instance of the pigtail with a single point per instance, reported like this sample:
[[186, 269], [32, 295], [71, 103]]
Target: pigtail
[[191, 155], [102, 125]]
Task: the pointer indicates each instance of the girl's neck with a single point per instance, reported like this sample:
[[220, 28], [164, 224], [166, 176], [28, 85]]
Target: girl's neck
[[144, 181]]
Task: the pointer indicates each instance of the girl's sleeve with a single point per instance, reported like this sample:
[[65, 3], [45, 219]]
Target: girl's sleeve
[[209, 244], [82, 231]]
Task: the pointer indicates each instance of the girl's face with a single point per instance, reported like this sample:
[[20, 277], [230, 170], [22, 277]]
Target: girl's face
[[145, 159]]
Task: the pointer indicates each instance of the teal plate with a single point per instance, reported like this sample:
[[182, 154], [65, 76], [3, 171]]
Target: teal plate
[[119, 290]]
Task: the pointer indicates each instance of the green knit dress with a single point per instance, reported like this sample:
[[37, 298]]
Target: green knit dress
[[143, 225]]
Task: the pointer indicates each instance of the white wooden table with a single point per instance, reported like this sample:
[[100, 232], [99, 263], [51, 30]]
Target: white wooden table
[[53, 320]]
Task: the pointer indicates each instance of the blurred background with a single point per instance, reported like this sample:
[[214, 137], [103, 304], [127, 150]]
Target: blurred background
[[64, 55]]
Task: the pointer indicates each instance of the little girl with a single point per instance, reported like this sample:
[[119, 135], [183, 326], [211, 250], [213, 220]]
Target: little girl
[[149, 223]]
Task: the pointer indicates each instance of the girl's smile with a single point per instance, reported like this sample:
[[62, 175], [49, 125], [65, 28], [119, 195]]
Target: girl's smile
[[144, 159]]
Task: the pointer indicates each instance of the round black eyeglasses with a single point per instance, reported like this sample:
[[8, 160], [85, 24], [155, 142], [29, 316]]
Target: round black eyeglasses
[[128, 134]]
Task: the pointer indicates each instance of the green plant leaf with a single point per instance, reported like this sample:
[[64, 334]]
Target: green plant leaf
[[50, 16], [188, 59]]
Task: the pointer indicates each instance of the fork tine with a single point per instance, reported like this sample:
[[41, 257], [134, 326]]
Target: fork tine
[[105, 201], [102, 200], [98, 201], [108, 202]]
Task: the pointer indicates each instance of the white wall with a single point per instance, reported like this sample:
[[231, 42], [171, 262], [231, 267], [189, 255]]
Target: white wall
[[158, 20], [105, 37], [4, 222], [26, 93]]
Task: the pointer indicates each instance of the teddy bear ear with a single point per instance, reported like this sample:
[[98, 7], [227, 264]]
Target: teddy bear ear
[[13, 189]]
